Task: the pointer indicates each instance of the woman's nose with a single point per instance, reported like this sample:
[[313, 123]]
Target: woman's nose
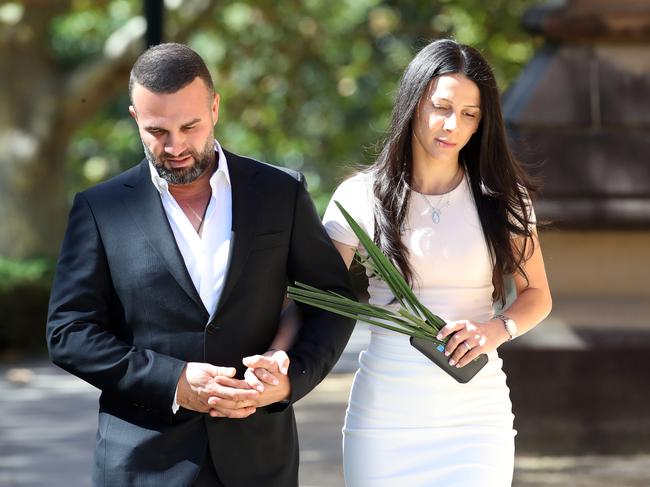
[[450, 123]]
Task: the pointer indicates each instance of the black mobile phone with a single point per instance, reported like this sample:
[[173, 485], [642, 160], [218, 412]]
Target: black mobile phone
[[436, 353]]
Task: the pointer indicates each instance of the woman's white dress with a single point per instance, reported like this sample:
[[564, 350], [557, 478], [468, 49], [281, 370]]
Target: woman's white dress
[[408, 423]]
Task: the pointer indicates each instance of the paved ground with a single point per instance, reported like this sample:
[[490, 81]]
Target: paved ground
[[47, 428]]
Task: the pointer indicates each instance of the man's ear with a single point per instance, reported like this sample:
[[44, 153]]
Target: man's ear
[[215, 109], [133, 113]]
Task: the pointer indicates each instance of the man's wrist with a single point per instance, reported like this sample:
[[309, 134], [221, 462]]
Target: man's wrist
[[286, 399], [175, 405]]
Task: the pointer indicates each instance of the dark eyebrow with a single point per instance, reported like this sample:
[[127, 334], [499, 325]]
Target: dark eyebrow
[[466, 106], [196, 120], [155, 127]]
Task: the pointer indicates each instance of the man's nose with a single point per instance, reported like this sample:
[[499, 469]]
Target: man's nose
[[175, 144]]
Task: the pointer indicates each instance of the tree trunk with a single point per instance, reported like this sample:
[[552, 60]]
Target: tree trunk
[[33, 140], [42, 104], [33, 202]]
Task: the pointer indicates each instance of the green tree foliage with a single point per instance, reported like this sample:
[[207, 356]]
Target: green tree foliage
[[306, 84], [61, 61]]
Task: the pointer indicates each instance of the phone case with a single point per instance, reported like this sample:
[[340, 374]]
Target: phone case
[[436, 353]]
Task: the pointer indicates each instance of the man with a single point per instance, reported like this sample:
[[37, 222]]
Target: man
[[171, 276]]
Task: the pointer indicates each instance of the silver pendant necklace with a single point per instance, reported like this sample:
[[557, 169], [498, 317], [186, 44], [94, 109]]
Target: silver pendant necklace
[[443, 201], [436, 211]]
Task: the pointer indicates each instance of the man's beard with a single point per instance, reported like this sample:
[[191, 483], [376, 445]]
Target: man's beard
[[183, 175]]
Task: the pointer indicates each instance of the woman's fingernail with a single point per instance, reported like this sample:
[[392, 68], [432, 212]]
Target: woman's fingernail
[[439, 336], [452, 362], [447, 353]]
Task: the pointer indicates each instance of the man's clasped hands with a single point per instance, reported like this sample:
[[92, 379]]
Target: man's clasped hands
[[207, 388]]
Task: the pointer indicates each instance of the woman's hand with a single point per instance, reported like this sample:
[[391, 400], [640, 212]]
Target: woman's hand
[[470, 339]]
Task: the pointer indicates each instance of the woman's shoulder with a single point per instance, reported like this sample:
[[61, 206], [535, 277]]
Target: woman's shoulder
[[355, 195], [356, 187], [358, 180]]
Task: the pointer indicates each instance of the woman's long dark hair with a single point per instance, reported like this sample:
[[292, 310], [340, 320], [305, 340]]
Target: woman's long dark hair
[[498, 182]]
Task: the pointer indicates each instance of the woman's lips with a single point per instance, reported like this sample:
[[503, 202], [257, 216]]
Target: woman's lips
[[445, 143]]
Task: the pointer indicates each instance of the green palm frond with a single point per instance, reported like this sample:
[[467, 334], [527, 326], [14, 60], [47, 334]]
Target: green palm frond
[[410, 318]]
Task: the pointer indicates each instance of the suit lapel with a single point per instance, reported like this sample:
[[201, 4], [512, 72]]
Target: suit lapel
[[245, 210], [144, 204]]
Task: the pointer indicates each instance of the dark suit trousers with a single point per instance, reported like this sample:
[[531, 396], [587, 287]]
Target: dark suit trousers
[[208, 475]]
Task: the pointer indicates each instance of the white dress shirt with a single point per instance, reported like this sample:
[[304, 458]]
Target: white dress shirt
[[205, 255]]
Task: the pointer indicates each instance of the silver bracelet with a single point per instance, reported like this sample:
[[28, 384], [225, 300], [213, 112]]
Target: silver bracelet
[[509, 324]]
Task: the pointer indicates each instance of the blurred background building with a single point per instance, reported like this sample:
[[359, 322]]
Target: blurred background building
[[579, 117]]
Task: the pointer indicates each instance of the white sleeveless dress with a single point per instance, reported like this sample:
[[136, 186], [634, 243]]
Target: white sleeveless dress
[[409, 424]]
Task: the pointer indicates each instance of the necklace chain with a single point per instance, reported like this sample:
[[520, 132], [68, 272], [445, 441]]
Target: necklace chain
[[200, 218], [195, 213], [436, 211], [443, 201]]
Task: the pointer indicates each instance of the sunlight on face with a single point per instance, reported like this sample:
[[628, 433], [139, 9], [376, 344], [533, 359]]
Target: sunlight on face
[[447, 116], [177, 129]]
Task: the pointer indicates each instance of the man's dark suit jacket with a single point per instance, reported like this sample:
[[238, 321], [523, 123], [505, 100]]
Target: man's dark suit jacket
[[125, 317]]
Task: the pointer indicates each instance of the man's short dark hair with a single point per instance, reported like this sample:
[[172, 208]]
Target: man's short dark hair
[[167, 68]]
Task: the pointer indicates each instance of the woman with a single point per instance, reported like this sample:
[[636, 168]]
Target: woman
[[447, 202]]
